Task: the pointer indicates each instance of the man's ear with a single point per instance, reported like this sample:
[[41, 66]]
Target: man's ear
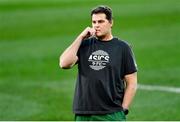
[[111, 22]]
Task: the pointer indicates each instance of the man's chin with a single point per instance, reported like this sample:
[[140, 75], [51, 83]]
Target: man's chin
[[99, 36]]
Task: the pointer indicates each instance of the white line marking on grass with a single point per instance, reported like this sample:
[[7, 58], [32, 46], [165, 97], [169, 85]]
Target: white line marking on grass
[[159, 88]]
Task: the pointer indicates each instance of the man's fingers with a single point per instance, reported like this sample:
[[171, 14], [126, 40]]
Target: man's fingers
[[92, 31], [88, 32]]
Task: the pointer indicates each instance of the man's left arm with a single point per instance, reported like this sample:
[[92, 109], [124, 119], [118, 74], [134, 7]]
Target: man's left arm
[[130, 91]]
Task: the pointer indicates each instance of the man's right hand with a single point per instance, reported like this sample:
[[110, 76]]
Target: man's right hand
[[87, 32], [69, 57]]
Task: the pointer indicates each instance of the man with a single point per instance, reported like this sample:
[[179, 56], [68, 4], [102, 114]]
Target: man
[[107, 79]]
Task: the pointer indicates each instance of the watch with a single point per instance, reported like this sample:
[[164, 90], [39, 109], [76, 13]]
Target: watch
[[126, 111]]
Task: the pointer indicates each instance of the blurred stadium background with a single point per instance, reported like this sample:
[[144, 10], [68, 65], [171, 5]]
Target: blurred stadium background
[[33, 33]]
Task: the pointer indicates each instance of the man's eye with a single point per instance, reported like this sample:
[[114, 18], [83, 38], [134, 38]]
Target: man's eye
[[101, 21]]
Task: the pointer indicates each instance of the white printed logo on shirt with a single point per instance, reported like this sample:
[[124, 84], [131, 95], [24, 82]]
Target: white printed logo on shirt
[[98, 59]]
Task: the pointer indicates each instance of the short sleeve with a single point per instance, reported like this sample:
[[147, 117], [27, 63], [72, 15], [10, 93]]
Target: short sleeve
[[78, 54], [83, 44], [129, 62]]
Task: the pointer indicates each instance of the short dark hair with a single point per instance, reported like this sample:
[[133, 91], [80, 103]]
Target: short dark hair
[[103, 9]]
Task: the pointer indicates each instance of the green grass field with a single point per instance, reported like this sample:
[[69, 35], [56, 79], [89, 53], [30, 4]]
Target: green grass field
[[33, 33]]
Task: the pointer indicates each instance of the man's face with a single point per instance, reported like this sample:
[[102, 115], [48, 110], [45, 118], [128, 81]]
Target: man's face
[[101, 24]]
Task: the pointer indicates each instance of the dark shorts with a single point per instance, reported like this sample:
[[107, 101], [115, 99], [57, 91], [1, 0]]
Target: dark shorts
[[116, 116]]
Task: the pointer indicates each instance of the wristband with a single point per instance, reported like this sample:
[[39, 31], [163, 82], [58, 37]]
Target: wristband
[[126, 111]]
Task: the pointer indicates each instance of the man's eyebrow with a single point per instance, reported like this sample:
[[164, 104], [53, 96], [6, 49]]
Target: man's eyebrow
[[98, 20], [101, 20]]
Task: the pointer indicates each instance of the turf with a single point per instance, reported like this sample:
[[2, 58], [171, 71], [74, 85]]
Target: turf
[[34, 33]]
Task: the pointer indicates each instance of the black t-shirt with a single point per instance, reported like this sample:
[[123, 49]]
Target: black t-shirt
[[102, 66]]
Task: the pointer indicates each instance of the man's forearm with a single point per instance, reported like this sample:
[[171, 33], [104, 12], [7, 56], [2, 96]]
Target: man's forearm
[[128, 96], [69, 56], [131, 82]]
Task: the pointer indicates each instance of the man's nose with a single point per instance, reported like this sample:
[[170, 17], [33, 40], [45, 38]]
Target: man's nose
[[96, 25]]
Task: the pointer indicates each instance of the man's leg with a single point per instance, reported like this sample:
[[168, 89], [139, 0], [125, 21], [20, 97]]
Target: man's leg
[[116, 116], [83, 118]]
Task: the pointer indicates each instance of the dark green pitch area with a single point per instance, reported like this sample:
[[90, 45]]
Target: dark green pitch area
[[33, 33]]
